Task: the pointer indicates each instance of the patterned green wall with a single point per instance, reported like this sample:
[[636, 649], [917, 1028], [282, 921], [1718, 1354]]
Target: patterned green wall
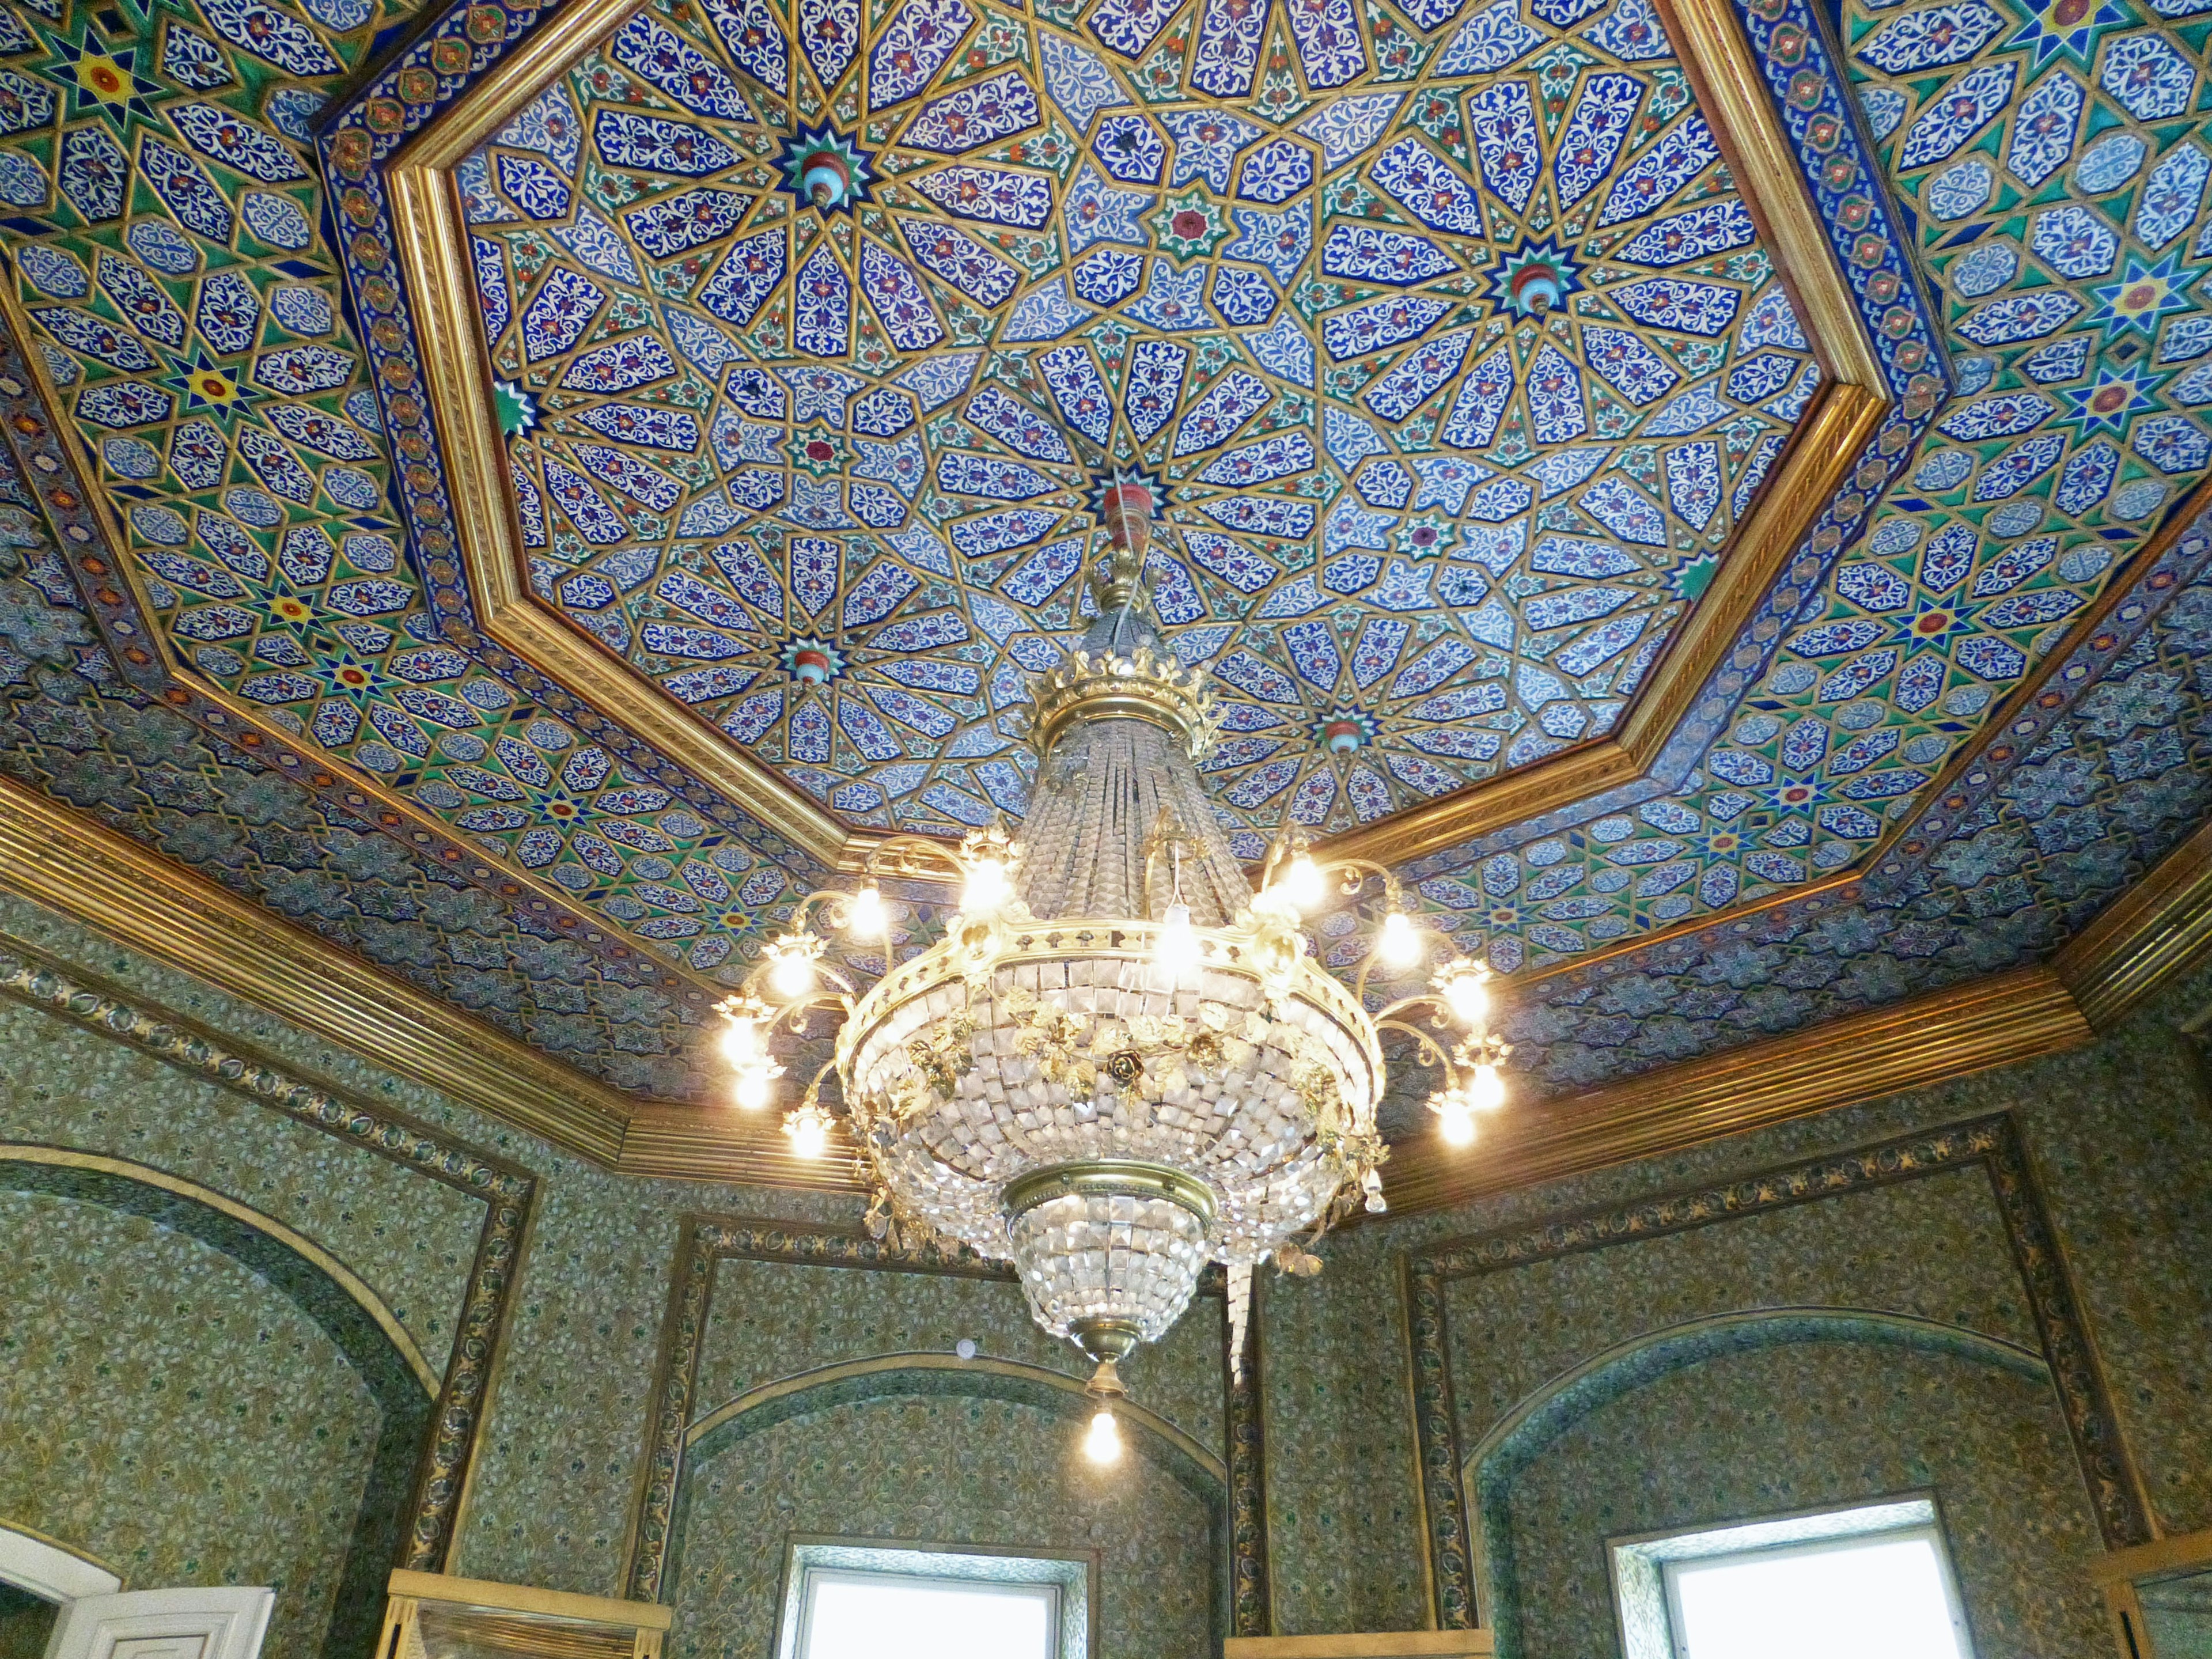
[[168, 1410], [2121, 1138], [2119, 1134], [1813, 1424], [916, 1469]]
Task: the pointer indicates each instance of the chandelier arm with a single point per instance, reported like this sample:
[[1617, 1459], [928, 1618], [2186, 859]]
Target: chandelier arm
[[895, 856], [1392, 1012], [1431, 1051]]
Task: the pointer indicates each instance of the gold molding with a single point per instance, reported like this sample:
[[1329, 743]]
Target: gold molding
[[1911, 1044], [2153, 931], [268, 1226], [1823, 450], [431, 243], [1724, 74], [72, 864]]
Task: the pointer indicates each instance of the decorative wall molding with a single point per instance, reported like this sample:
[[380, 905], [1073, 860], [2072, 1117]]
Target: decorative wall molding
[[508, 1192], [71, 864], [79, 867], [1992, 1144], [1251, 1590], [1911, 1044], [674, 1420]]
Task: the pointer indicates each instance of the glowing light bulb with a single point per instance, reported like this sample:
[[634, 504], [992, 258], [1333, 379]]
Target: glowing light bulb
[[1302, 882], [752, 1088], [1487, 1092], [792, 974], [809, 1129], [987, 886], [1175, 948], [741, 1043], [1400, 943], [1103, 1444], [1454, 1122], [867, 914], [1465, 995]]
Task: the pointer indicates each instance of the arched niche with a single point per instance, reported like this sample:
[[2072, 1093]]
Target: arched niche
[[380, 1383], [1707, 1361], [934, 1450]]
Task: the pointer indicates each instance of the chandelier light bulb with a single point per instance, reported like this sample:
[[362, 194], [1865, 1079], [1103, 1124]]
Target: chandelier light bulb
[[752, 1088], [1402, 941], [1487, 1091], [809, 1129], [1176, 948], [1102, 1444], [792, 974], [1302, 882], [1465, 995], [741, 1044], [868, 919], [1454, 1121], [987, 886]]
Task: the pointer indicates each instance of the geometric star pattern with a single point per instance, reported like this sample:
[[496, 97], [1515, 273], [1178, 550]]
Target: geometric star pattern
[[172, 280]]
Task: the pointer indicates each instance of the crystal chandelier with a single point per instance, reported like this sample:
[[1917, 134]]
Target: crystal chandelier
[[1120, 1062]]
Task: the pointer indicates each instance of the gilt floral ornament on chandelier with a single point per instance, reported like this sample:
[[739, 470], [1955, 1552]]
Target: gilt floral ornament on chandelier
[[1120, 1062]]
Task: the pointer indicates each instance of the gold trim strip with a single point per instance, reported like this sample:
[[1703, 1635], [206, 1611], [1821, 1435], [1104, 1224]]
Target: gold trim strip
[[2152, 932], [299, 1243], [1921, 1040], [1724, 74], [52, 855]]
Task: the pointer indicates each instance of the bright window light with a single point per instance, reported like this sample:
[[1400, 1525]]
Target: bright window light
[[1888, 1594], [866, 1615]]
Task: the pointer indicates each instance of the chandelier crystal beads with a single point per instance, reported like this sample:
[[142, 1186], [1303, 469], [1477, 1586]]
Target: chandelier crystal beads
[[1120, 1062]]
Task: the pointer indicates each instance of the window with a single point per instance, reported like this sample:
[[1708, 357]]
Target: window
[[850, 1599], [1834, 1584], [863, 1615]]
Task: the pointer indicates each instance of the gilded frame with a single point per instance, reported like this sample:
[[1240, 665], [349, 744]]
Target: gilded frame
[[430, 244]]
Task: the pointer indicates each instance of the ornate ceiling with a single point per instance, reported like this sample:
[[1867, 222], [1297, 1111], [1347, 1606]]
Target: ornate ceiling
[[1699, 488]]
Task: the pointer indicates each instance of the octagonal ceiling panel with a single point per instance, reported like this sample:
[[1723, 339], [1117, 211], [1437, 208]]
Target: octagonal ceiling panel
[[1456, 375]]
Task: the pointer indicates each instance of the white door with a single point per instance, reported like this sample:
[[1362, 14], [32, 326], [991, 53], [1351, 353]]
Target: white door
[[164, 1624]]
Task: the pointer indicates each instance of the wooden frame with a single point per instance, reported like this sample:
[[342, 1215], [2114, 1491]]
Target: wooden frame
[[2116, 1574], [513, 1619]]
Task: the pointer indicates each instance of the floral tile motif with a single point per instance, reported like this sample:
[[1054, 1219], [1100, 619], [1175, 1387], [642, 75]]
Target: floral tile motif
[[746, 434], [1275, 262]]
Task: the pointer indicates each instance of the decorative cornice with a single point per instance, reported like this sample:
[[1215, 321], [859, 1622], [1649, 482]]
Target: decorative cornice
[[80, 868], [509, 1193], [1907, 1045], [2154, 931]]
